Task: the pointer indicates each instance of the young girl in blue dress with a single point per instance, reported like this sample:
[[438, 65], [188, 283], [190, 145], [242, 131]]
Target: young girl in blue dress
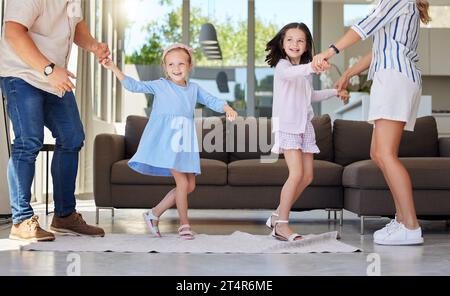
[[168, 146]]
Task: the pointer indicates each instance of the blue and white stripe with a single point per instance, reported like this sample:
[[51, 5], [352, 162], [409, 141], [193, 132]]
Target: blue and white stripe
[[394, 26]]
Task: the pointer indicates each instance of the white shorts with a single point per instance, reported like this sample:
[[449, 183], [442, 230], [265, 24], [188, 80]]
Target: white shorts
[[394, 96]]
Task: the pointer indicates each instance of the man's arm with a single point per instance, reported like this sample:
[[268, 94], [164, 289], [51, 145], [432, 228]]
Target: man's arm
[[17, 37], [84, 39]]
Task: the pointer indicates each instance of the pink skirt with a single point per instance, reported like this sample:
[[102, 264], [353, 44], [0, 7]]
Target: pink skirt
[[305, 142]]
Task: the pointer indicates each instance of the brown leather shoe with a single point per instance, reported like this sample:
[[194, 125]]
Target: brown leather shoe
[[75, 224], [29, 230]]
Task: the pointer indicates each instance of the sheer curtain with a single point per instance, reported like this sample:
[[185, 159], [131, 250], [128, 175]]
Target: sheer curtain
[[84, 95]]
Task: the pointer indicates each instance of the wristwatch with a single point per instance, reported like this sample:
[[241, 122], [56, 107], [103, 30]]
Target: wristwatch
[[49, 69], [336, 50]]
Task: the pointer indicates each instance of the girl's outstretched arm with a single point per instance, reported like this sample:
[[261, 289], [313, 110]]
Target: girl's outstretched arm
[[109, 64], [216, 104], [285, 71], [129, 83]]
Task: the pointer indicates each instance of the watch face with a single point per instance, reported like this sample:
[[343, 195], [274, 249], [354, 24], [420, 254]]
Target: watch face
[[48, 70]]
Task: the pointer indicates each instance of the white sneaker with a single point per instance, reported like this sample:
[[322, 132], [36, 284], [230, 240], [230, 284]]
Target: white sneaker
[[401, 236], [388, 228]]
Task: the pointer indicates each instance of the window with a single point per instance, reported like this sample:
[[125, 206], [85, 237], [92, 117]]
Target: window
[[151, 26], [354, 13], [97, 100], [225, 78], [440, 17], [269, 19]]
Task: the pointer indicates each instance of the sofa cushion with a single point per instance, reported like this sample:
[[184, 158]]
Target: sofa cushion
[[250, 172], [324, 137], [211, 138], [352, 140], [133, 131], [209, 130], [250, 138], [425, 173], [214, 172]]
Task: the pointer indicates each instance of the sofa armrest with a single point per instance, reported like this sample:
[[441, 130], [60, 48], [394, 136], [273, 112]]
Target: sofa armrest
[[444, 147], [108, 149]]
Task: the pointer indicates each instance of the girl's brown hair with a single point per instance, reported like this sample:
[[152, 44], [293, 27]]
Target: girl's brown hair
[[423, 6], [276, 50]]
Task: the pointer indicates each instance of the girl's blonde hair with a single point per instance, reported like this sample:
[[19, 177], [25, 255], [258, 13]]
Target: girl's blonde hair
[[423, 6]]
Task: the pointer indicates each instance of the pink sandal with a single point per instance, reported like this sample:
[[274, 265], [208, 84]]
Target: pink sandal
[[185, 234]]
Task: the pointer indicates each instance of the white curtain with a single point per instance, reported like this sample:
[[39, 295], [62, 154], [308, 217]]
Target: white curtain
[[84, 96]]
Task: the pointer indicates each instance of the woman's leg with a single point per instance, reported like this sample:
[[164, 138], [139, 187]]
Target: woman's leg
[[294, 161], [373, 149], [387, 135]]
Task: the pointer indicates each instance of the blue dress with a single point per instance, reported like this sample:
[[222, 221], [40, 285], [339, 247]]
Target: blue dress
[[169, 140]]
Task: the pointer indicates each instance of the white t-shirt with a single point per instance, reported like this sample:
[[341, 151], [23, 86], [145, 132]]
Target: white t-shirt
[[51, 25]]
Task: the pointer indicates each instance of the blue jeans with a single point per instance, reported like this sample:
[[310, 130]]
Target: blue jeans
[[30, 109]]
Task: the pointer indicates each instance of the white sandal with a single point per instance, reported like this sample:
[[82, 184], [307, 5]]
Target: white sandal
[[269, 220], [185, 234], [149, 218], [290, 238]]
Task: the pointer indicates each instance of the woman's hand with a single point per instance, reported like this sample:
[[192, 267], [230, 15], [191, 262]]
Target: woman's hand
[[320, 61], [342, 83], [230, 113]]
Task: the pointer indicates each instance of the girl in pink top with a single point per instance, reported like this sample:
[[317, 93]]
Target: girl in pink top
[[290, 52]]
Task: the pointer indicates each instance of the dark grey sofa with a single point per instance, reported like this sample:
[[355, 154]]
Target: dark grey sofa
[[229, 180], [235, 178], [425, 156]]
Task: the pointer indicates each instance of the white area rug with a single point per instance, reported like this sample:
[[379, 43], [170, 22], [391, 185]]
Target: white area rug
[[238, 242]]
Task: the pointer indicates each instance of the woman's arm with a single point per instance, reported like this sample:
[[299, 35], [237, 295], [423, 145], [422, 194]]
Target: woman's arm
[[384, 13], [358, 68]]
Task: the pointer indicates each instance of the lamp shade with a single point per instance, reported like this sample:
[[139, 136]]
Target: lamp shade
[[222, 82], [208, 35]]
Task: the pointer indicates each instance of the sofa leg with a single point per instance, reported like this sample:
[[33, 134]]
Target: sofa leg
[[329, 214], [341, 217], [361, 219], [335, 215], [97, 213]]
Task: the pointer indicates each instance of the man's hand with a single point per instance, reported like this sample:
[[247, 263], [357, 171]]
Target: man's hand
[[231, 115], [101, 51], [59, 79]]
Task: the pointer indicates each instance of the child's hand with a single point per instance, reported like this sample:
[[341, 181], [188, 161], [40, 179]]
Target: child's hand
[[344, 96], [230, 113], [108, 63]]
